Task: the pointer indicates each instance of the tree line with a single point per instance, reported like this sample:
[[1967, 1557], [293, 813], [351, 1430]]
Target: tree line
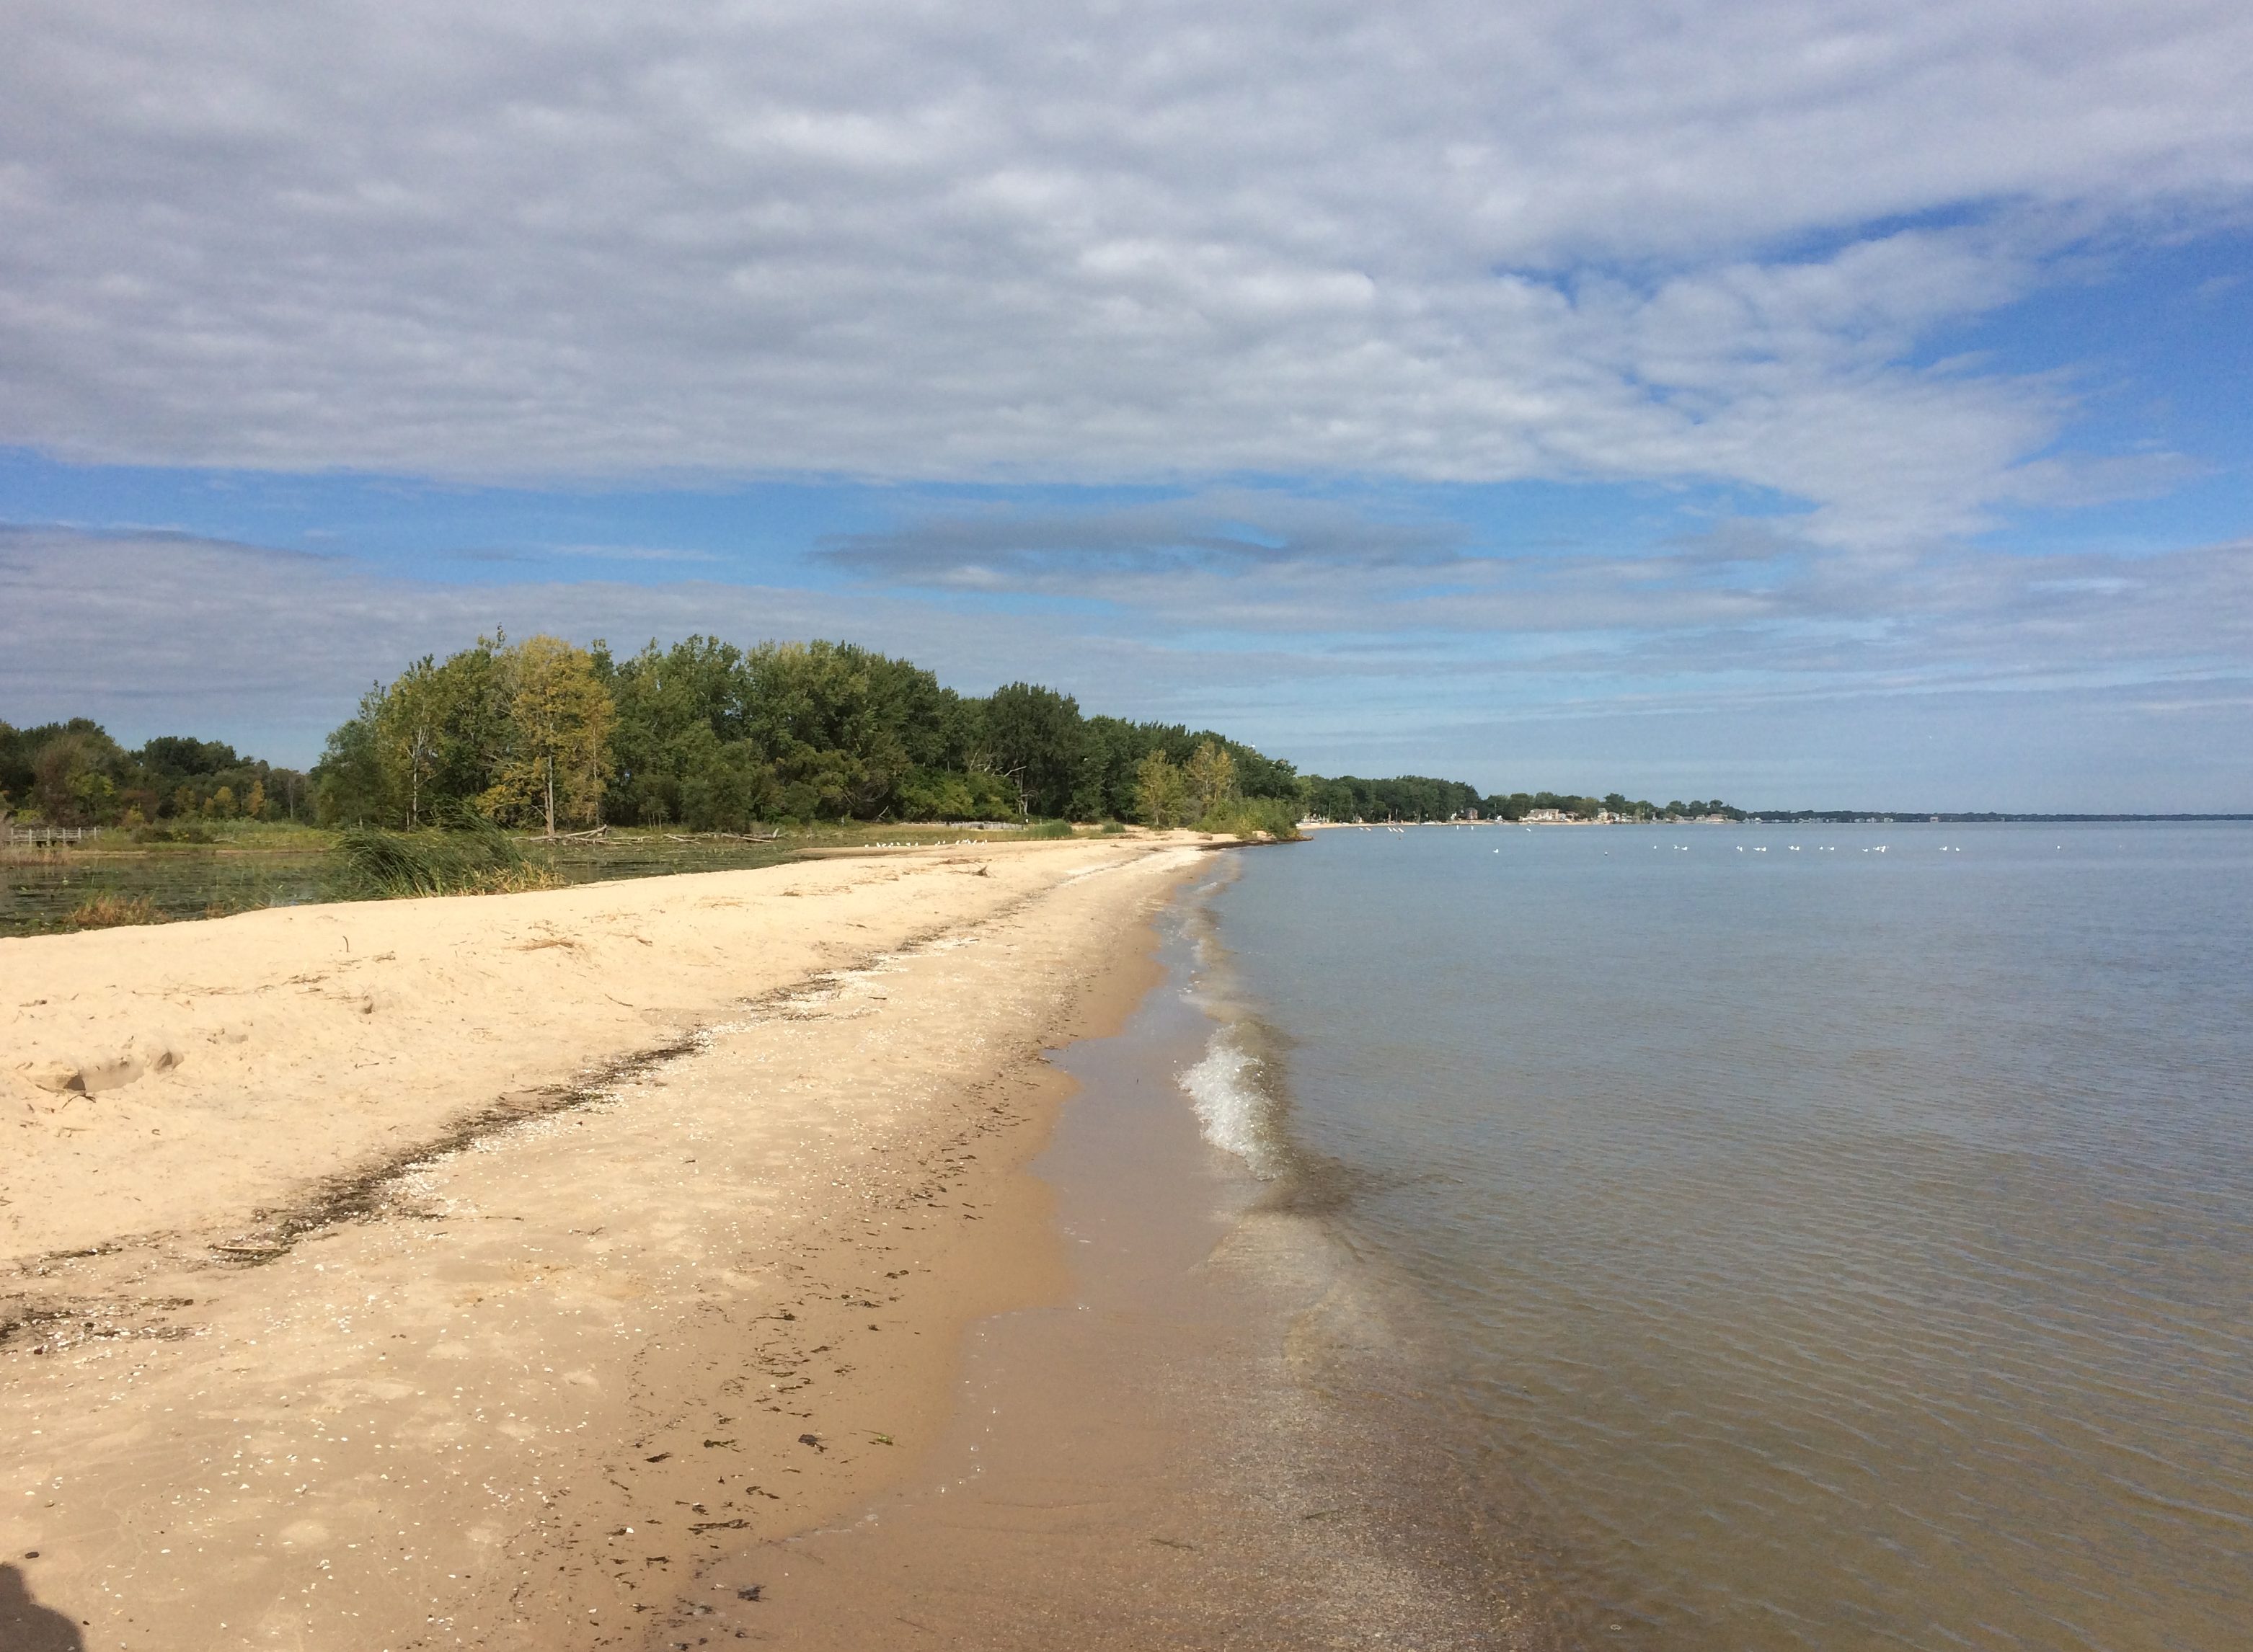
[[706, 735], [1420, 797], [709, 736], [74, 773]]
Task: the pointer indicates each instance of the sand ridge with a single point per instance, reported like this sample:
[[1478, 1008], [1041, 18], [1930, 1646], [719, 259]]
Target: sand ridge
[[547, 1361]]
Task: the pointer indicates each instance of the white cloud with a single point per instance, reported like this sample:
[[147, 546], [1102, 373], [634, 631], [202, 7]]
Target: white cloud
[[1271, 625], [1326, 578], [156, 633], [1437, 240]]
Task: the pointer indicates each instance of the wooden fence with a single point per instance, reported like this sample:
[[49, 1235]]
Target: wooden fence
[[40, 837]]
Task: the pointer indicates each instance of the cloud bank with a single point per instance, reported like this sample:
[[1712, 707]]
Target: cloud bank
[[1435, 240], [1410, 652]]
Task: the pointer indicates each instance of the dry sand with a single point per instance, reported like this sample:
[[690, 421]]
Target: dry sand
[[466, 1272]]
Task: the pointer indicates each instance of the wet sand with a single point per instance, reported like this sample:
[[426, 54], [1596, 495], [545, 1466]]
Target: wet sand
[[440, 1292], [1221, 1436]]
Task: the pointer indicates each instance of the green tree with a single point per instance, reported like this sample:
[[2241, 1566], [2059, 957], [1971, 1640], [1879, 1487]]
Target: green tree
[[348, 780], [1033, 738], [557, 750], [683, 714], [1210, 776], [409, 732], [1160, 791], [72, 768]]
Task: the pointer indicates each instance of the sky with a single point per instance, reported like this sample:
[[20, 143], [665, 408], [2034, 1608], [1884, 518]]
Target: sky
[[1809, 404]]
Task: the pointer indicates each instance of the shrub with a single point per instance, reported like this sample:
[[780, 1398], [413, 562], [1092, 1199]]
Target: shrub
[[172, 834], [1249, 817]]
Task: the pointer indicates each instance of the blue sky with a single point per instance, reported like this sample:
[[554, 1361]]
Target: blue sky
[[1801, 404]]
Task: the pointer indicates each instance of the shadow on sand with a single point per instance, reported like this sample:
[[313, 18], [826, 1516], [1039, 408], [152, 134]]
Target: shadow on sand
[[25, 1626]]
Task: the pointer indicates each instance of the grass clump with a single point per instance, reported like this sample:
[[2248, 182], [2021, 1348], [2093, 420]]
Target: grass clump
[[109, 911], [1048, 829], [474, 859]]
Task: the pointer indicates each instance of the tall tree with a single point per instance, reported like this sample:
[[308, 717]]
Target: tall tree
[[1159, 794], [1033, 739], [558, 725], [349, 777], [409, 732], [1210, 776]]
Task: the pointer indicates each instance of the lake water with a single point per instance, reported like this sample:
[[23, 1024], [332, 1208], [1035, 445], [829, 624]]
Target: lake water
[[1834, 1237]]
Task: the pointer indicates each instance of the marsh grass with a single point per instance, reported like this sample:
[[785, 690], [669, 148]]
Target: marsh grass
[[1047, 829], [474, 859], [271, 837], [109, 911]]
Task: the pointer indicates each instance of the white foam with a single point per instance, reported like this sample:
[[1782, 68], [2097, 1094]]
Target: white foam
[[1230, 1104]]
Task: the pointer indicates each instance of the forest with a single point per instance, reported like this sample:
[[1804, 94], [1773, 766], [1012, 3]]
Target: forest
[[74, 774], [704, 735], [709, 736]]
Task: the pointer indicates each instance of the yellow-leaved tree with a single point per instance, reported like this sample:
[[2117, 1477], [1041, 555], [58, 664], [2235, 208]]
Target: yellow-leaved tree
[[1159, 794], [558, 716], [1211, 774]]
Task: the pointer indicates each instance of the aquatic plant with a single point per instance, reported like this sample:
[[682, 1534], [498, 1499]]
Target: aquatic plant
[[109, 911], [474, 858]]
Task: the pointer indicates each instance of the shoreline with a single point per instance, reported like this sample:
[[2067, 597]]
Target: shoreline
[[1218, 1435], [457, 1392]]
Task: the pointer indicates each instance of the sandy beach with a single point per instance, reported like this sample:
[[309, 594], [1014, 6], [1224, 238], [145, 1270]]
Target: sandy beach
[[466, 1272]]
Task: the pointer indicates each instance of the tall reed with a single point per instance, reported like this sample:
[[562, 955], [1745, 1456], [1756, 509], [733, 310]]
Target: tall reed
[[109, 911], [474, 858]]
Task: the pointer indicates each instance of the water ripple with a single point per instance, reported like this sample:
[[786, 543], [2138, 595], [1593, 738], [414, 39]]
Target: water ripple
[[1839, 1251]]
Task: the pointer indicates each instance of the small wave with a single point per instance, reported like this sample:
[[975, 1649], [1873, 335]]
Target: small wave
[[1233, 1104]]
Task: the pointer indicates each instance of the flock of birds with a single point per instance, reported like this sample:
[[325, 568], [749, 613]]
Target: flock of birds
[[1757, 849], [1684, 848]]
